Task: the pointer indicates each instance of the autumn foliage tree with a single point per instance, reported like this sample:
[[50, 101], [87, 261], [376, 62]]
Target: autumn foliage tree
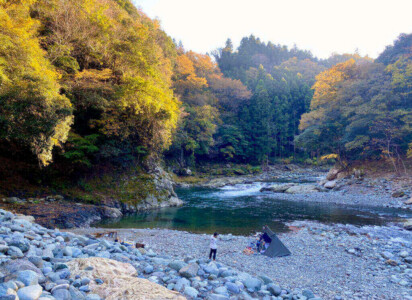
[[33, 113], [362, 109]]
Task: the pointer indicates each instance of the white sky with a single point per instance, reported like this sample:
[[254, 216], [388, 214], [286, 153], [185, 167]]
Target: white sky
[[321, 26]]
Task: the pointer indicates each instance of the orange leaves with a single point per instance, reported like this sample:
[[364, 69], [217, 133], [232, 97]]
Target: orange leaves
[[327, 82], [184, 66], [186, 76]]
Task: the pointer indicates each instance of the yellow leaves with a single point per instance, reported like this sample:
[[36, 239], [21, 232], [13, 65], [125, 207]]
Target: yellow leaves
[[184, 66], [44, 148], [329, 156], [327, 82], [401, 72], [33, 110], [93, 75]]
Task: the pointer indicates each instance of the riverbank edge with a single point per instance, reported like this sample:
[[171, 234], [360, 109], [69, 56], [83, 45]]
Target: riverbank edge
[[38, 262]]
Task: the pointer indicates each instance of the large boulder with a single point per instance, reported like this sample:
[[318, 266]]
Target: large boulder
[[274, 289], [398, 194], [333, 173], [191, 292], [302, 189], [277, 188], [12, 268], [252, 284], [211, 268], [111, 212], [177, 265], [32, 292], [408, 202], [189, 271], [119, 280], [181, 284], [330, 184], [15, 252], [408, 224], [28, 277]]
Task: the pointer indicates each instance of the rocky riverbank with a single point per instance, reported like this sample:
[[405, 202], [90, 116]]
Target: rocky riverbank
[[67, 211], [295, 183], [38, 264], [332, 261]]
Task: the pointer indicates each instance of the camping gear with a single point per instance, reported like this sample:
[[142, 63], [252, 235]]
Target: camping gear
[[276, 247]]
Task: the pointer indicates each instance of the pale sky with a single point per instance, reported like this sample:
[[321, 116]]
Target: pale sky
[[321, 26]]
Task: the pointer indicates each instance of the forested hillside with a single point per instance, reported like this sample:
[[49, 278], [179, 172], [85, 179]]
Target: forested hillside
[[97, 82], [362, 109], [92, 77]]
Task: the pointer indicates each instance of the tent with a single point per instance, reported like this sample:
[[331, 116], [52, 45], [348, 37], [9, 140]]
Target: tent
[[276, 247]]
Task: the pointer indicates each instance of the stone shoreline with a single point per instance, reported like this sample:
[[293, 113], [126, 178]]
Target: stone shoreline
[[39, 264], [333, 261]]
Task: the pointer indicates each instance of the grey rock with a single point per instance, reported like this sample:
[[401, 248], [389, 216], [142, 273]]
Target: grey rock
[[211, 268], [189, 271], [265, 279], [60, 266], [84, 288], [15, 252], [62, 294], [232, 287], [190, 291], [28, 277], [252, 284], [9, 297], [47, 270], [63, 286], [65, 273], [31, 292], [274, 289], [36, 260], [302, 189], [330, 184], [308, 294], [180, 284], [20, 243], [222, 290], [148, 269], [177, 265], [11, 285], [75, 293], [77, 283], [217, 297], [85, 281], [93, 297]]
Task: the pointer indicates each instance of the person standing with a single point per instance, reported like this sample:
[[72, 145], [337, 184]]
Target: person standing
[[213, 246]]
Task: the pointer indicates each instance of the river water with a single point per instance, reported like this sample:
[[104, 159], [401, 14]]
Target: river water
[[242, 209]]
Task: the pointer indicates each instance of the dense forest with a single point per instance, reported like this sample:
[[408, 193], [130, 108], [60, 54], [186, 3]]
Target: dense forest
[[91, 82]]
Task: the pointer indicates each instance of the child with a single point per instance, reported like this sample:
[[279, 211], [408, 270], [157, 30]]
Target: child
[[213, 246]]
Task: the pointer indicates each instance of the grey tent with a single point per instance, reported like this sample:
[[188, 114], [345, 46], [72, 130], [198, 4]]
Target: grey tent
[[276, 247]]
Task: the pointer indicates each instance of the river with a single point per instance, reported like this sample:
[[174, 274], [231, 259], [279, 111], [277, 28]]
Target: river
[[242, 209]]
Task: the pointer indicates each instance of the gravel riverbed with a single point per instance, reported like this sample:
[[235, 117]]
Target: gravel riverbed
[[334, 261]]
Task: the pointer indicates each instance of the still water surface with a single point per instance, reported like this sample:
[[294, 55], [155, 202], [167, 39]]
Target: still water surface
[[242, 209]]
